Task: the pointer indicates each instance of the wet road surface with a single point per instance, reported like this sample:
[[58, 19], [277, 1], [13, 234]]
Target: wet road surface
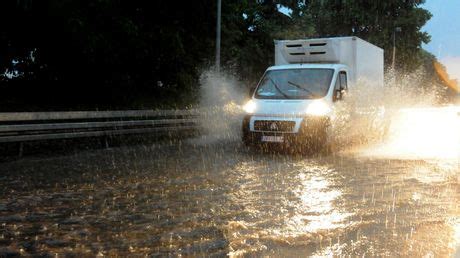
[[218, 198]]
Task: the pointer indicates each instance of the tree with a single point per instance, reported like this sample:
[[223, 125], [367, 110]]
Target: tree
[[110, 54], [103, 54], [254, 25], [375, 21]]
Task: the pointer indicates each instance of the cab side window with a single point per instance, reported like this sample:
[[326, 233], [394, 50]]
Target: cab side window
[[337, 83], [341, 85]]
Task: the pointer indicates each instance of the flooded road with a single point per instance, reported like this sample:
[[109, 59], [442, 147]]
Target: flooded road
[[187, 198]]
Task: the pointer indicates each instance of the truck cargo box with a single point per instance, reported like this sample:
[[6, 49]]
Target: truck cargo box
[[364, 60]]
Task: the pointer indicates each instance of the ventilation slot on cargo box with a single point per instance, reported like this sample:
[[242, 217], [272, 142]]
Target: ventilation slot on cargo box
[[294, 45], [317, 44], [317, 53], [306, 51]]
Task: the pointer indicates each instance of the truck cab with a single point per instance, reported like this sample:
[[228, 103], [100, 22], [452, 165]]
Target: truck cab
[[294, 100]]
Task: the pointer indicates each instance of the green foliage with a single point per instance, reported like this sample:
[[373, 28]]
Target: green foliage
[[106, 54], [251, 27], [376, 21]]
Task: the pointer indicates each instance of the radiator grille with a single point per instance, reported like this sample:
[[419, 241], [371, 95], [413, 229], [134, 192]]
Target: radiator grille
[[274, 126]]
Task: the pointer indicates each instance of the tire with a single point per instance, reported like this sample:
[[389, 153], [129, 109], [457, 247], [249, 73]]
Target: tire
[[246, 136], [318, 139], [314, 135], [247, 139]]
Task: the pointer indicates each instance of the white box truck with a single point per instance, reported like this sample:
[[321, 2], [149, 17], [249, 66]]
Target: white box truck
[[294, 100]]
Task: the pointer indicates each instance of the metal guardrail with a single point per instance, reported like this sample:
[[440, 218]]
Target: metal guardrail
[[31, 126]]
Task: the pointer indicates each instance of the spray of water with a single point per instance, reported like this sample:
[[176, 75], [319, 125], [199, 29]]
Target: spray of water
[[401, 120], [423, 133], [363, 117], [220, 106], [398, 120]]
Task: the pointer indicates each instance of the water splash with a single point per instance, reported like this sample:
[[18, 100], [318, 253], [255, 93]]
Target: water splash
[[422, 133], [396, 115], [399, 120], [221, 97], [368, 109]]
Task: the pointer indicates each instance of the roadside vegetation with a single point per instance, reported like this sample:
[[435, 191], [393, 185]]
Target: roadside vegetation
[[102, 54]]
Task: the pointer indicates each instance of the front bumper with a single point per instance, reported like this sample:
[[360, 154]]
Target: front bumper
[[307, 129]]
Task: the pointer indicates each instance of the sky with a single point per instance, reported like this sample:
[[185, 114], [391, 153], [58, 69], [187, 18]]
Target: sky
[[444, 28]]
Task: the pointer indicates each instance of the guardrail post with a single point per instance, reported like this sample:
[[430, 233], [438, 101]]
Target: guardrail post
[[106, 143], [21, 149]]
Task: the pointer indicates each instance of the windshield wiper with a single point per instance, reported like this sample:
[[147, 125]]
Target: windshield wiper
[[278, 89], [304, 89]]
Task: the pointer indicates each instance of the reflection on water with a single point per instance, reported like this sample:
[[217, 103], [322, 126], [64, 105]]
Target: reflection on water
[[432, 136], [317, 210], [221, 199], [456, 237], [287, 206]]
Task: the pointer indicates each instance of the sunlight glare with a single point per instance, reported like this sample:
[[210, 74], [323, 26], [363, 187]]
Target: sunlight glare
[[423, 133]]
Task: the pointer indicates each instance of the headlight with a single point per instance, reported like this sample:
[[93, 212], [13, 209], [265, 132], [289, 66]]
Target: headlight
[[318, 108], [250, 106]]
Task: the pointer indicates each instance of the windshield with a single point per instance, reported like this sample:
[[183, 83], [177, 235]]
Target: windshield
[[295, 84]]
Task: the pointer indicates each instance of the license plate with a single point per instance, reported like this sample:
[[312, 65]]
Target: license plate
[[270, 138]]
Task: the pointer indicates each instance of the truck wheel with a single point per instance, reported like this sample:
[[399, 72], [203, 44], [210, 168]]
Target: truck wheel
[[318, 139], [247, 141], [315, 135], [246, 136]]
